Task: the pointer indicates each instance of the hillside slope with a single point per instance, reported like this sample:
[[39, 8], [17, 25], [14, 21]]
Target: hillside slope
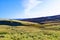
[[42, 19], [23, 30]]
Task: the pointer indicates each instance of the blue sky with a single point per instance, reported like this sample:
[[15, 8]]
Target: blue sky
[[28, 8]]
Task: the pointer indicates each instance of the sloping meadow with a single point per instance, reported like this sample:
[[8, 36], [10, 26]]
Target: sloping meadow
[[23, 30]]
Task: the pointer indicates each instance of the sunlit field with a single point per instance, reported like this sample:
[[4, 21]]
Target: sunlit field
[[30, 31]]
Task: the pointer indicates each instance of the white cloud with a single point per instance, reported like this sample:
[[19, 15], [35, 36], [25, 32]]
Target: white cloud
[[34, 8], [30, 5]]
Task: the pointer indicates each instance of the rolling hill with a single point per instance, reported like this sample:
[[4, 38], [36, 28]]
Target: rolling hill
[[42, 19], [44, 28]]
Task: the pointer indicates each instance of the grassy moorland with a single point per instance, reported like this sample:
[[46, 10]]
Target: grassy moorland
[[21, 30]]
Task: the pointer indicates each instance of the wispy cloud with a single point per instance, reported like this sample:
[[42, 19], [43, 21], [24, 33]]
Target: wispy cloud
[[29, 5], [37, 8]]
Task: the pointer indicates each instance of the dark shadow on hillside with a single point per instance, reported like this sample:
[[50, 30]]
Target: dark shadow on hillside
[[10, 23]]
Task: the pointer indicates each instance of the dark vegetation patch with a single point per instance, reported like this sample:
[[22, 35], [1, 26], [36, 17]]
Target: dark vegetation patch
[[3, 33], [10, 23], [1, 36]]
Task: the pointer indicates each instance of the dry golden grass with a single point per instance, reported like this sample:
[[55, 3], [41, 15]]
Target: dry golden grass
[[31, 31]]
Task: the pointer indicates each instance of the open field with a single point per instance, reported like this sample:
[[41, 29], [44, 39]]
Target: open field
[[29, 31]]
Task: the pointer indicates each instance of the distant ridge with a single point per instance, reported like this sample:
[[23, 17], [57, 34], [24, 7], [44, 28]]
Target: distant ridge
[[42, 19]]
